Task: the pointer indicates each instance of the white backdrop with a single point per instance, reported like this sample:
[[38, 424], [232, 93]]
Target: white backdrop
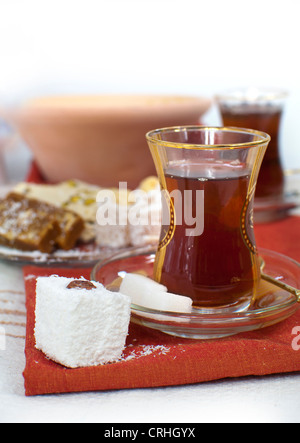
[[153, 46]]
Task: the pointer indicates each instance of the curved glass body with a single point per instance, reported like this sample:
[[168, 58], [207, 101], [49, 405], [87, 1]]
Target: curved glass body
[[207, 248]]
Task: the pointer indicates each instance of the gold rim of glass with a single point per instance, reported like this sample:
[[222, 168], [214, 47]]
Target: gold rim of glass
[[153, 137]]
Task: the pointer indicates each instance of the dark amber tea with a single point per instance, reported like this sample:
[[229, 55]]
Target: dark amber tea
[[271, 179], [216, 267]]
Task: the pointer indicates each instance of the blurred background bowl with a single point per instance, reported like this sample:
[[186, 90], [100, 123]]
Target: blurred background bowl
[[100, 139]]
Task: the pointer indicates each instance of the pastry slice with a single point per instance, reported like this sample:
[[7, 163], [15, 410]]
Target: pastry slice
[[27, 226], [70, 224]]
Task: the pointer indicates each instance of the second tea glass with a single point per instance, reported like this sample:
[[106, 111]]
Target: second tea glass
[[260, 109]]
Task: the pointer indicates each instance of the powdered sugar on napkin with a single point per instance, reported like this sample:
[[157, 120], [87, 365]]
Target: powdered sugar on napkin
[[144, 351]]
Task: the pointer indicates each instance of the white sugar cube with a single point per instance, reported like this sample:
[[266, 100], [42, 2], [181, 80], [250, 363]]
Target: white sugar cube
[[81, 326], [146, 292], [135, 285]]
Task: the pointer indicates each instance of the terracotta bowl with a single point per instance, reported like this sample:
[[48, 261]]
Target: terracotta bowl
[[100, 139]]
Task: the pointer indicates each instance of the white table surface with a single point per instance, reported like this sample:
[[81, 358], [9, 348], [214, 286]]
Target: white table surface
[[269, 399]]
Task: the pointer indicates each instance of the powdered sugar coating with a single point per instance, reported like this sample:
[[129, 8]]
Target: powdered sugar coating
[[79, 327]]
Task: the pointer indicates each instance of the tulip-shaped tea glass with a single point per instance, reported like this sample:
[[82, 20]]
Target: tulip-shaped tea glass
[[207, 248]]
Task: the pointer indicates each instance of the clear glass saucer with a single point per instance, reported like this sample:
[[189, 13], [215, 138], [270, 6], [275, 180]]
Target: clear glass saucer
[[273, 304]]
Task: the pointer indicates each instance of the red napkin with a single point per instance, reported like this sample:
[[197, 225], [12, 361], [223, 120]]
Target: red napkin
[[153, 359], [34, 175]]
